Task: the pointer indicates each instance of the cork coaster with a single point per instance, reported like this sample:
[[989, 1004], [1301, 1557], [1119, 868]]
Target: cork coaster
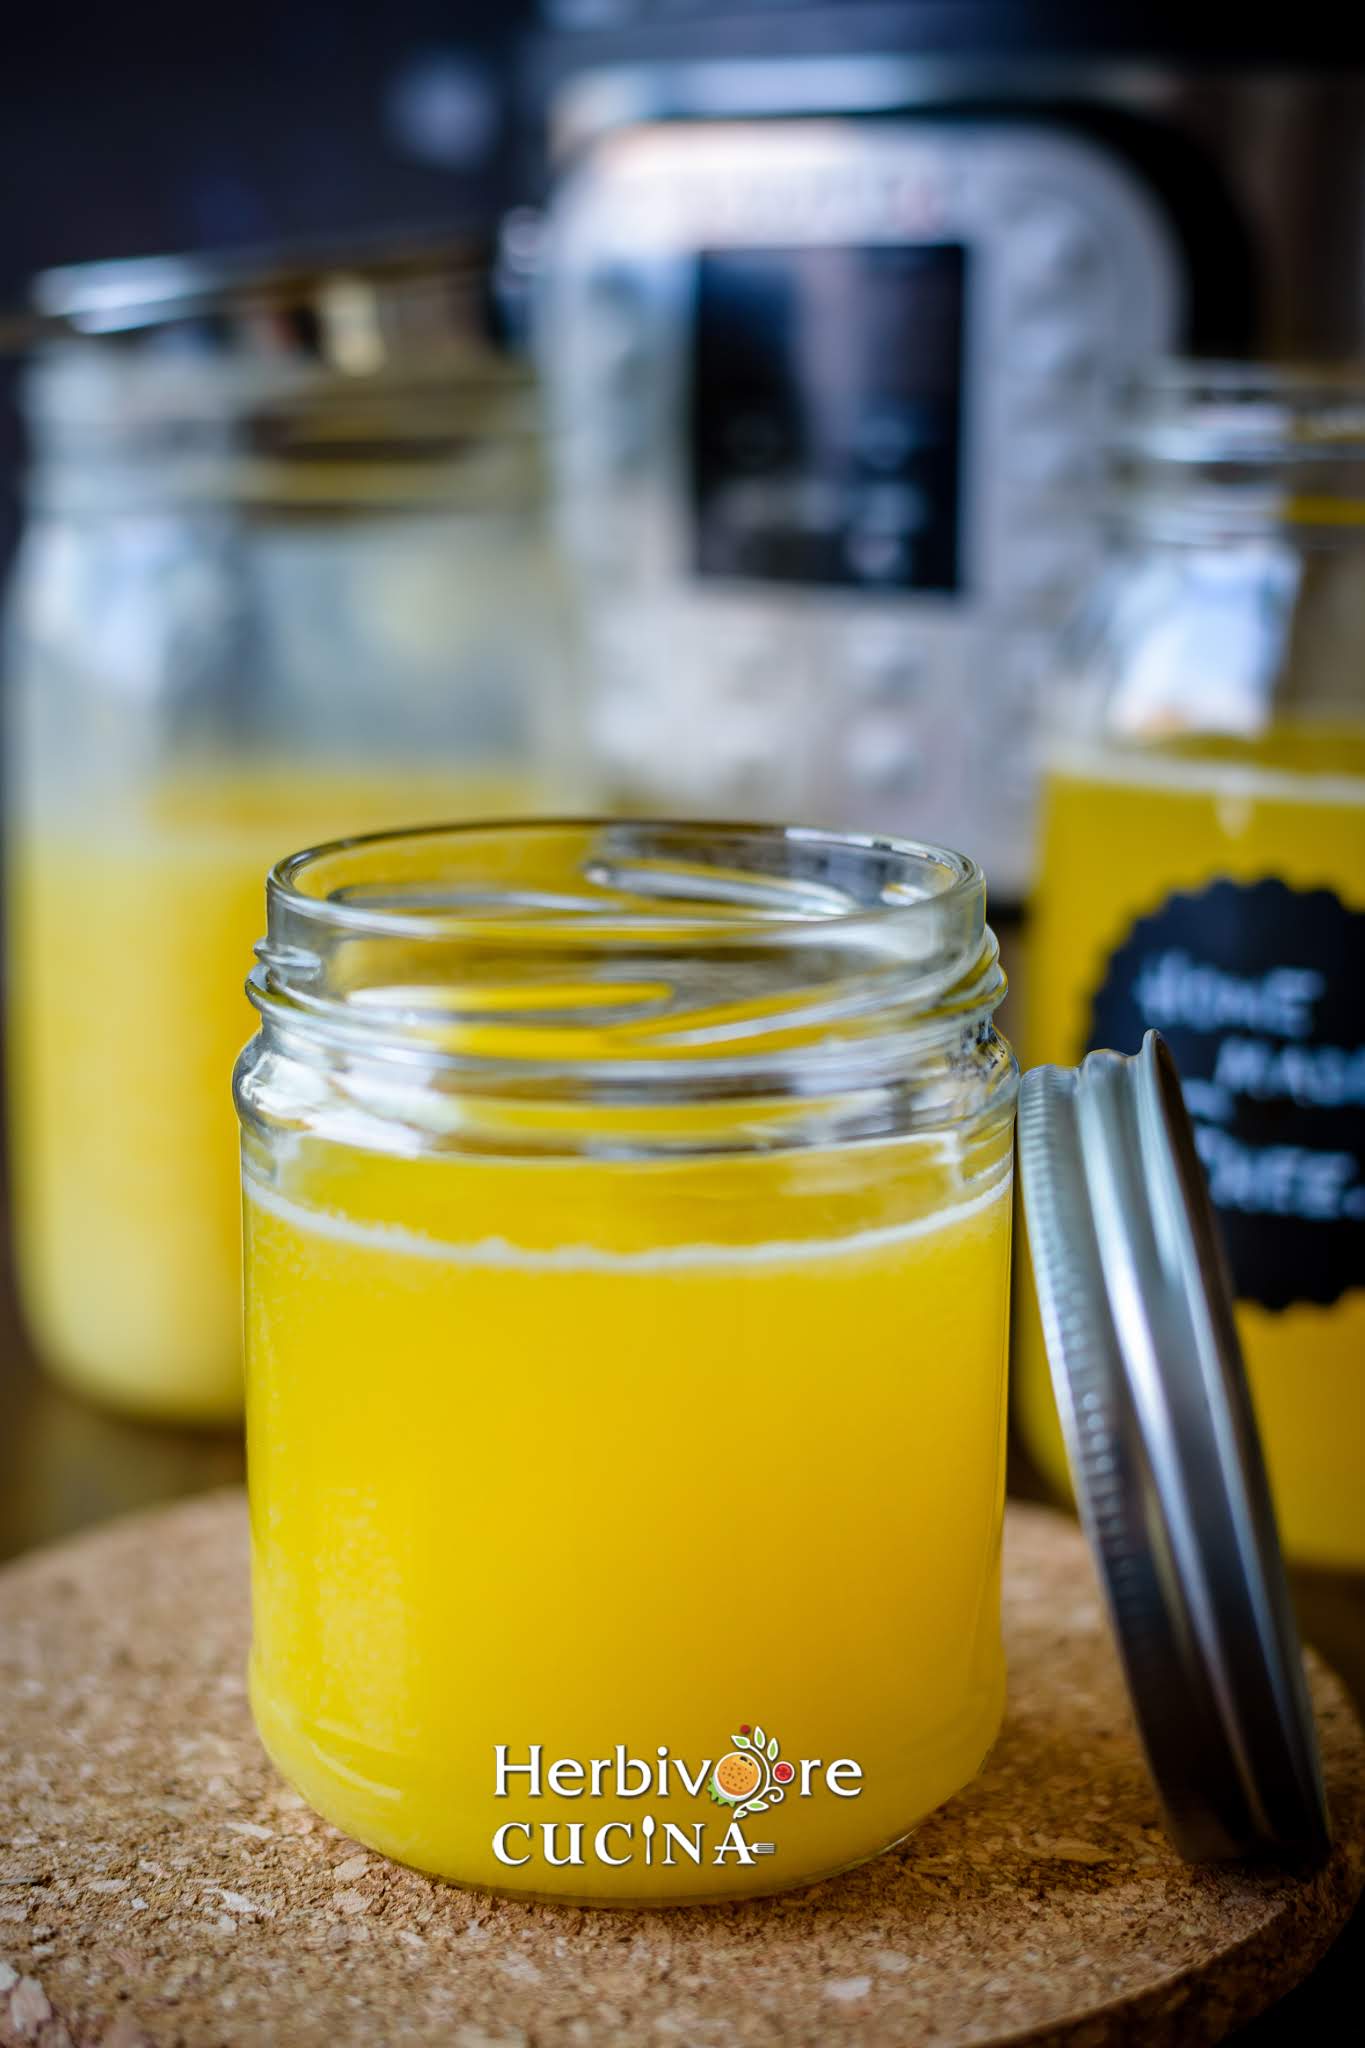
[[159, 1884]]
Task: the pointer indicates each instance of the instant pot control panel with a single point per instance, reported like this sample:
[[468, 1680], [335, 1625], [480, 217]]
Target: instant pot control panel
[[828, 401]]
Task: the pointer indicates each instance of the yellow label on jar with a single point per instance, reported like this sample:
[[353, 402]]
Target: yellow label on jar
[[1216, 892]]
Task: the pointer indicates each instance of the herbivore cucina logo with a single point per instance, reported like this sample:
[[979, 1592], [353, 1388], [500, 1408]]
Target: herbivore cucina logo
[[750, 1778]]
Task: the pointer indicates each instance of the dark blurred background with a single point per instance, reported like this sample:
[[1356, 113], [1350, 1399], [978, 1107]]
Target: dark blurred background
[[141, 130], [133, 130]]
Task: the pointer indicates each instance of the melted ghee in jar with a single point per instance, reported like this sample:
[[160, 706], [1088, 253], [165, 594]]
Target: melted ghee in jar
[[586, 1452], [127, 938]]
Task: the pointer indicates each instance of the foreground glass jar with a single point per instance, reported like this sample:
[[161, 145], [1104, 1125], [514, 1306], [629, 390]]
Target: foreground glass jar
[[627, 1221], [1203, 873], [284, 575]]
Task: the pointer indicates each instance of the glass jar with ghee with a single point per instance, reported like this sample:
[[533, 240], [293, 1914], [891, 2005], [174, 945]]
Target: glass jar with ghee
[[284, 575], [627, 1213], [1202, 873]]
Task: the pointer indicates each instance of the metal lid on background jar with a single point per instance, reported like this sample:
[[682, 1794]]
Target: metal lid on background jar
[[1165, 1458], [354, 308], [338, 377]]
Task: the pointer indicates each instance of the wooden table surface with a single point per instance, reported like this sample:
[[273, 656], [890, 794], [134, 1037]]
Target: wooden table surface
[[65, 1466]]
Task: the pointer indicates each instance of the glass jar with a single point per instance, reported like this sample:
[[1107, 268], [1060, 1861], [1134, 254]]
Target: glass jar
[[1203, 872], [283, 575], [626, 1221]]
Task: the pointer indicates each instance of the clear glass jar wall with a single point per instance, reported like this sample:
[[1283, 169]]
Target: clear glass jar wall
[[627, 1222], [283, 576], [1203, 871]]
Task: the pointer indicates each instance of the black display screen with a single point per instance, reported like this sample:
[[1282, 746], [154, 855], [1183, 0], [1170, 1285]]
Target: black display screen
[[826, 415]]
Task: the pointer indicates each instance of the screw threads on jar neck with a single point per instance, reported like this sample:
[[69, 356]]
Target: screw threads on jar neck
[[706, 973], [1206, 452]]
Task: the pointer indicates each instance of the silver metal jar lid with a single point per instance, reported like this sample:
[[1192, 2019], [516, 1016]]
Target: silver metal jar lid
[[1165, 1458], [410, 296]]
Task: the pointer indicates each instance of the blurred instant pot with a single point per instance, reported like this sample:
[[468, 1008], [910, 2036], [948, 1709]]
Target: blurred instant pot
[[833, 302]]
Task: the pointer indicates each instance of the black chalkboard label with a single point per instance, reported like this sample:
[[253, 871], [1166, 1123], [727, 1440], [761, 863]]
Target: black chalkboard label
[[1259, 990]]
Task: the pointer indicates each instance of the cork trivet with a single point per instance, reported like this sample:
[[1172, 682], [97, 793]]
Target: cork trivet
[[159, 1884]]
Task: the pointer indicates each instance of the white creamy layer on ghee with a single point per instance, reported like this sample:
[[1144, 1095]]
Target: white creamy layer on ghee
[[497, 1251]]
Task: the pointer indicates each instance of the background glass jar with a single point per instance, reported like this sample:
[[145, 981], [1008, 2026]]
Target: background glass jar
[[283, 576], [627, 1220], [1203, 871]]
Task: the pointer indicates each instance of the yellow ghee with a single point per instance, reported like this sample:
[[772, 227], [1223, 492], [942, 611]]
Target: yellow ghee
[[127, 935], [624, 1463], [1124, 830]]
